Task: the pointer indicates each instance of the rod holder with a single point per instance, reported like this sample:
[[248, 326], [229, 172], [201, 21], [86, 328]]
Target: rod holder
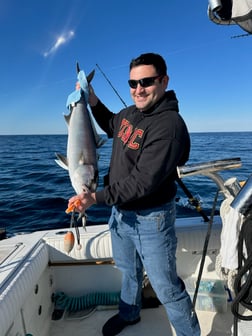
[[211, 169]]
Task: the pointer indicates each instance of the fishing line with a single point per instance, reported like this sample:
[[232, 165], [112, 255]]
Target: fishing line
[[73, 223], [116, 92]]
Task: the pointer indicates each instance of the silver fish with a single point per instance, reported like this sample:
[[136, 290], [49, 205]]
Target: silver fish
[[83, 139]]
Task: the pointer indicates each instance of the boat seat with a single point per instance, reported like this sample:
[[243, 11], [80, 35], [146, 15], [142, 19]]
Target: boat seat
[[20, 284], [95, 246]]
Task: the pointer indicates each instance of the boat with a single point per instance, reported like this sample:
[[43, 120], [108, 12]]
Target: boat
[[231, 12], [50, 286], [48, 289]]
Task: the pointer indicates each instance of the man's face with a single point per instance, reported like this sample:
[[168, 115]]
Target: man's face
[[146, 97]]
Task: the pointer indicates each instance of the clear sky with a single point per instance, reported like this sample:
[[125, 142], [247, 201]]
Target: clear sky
[[41, 41]]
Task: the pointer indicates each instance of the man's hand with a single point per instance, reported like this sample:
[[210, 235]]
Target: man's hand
[[82, 201]]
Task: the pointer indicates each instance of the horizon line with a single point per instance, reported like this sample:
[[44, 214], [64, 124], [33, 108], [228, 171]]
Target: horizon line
[[33, 134]]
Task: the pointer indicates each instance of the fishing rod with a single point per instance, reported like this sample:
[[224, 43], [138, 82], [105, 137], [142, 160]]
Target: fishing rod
[[192, 200], [116, 92]]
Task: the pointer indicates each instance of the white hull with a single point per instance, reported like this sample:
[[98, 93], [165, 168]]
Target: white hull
[[35, 266]]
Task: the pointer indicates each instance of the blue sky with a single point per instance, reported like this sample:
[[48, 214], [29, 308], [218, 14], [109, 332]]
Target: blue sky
[[41, 41]]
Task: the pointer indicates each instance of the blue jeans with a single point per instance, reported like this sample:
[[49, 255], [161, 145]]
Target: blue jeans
[[146, 239]]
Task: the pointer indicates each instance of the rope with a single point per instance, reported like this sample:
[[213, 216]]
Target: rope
[[243, 281], [224, 273], [73, 304]]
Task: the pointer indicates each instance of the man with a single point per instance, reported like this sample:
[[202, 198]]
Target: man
[[150, 141]]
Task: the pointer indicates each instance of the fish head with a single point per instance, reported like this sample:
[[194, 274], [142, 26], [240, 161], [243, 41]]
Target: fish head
[[84, 175]]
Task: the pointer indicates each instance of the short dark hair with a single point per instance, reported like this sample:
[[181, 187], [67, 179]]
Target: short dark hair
[[150, 59]]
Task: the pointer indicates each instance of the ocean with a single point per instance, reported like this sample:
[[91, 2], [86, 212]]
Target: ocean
[[35, 190]]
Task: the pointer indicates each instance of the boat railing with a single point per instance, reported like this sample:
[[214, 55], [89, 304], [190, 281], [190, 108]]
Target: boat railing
[[211, 169]]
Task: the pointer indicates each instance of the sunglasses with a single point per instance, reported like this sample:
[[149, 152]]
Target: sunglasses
[[144, 82]]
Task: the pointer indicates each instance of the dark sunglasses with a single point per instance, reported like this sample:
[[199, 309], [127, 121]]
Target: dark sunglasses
[[144, 82]]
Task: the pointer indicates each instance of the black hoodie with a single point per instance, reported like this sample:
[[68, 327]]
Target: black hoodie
[[147, 148]]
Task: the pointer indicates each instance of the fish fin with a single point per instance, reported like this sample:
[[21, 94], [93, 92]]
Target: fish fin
[[62, 161], [67, 117], [90, 76]]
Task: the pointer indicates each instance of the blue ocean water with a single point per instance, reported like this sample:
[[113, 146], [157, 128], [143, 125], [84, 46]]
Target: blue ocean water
[[35, 190]]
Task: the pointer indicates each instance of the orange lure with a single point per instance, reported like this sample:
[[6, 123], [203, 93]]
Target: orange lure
[[69, 241], [72, 206]]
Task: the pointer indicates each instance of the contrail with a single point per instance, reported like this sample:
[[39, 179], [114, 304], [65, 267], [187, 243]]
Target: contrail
[[62, 39]]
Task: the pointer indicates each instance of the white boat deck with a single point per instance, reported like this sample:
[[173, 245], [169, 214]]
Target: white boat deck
[[38, 261], [153, 322]]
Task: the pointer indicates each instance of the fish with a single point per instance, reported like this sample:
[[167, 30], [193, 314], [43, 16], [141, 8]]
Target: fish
[[83, 140]]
